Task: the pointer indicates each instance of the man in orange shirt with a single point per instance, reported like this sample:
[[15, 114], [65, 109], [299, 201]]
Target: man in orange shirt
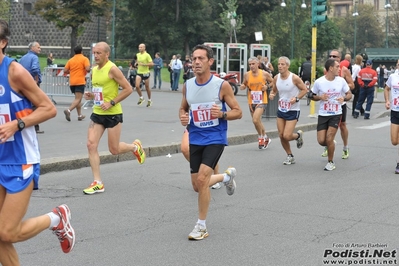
[[77, 67], [256, 81]]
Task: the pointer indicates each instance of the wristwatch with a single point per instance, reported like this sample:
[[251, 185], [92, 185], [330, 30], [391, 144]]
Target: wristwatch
[[21, 124], [296, 99], [112, 102], [224, 115]]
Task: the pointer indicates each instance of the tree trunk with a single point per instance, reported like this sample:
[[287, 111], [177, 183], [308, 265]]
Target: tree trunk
[[74, 39], [177, 10]]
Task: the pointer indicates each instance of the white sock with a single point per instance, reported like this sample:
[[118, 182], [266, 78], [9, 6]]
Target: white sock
[[202, 222], [141, 97], [69, 110], [98, 182], [265, 136], [226, 178], [54, 219], [345, 148], [149, 100]]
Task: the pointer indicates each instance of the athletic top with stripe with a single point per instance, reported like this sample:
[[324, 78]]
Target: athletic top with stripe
[[23, 147], [255, 84], [105, 90], [334, 89], [204, 129], [393, 83], [287, 90]]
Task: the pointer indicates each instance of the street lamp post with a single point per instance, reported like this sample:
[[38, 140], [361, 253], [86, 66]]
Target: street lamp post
[[355, 14], [293, 4], [387, 6], [113, 32]]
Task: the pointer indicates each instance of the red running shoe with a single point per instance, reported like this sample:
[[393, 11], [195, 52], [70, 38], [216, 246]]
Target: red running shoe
[[64, 230]]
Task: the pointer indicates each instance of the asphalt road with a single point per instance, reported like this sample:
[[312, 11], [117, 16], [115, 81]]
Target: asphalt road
[[279, 215]]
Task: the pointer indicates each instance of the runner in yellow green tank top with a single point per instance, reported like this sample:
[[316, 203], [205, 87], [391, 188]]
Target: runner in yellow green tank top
[[144, 62], [256, 81], [107, 114]]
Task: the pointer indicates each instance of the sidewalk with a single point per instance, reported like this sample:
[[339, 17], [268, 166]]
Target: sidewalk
[[63, 145]]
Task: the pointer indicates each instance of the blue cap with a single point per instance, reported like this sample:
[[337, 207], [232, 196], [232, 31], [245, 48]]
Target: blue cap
[[369, 62]]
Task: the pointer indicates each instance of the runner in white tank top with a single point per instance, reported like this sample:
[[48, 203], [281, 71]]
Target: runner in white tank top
[[291, 89]]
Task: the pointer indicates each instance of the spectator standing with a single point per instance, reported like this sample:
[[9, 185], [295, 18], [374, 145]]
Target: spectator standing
[[77, 67], [30, 61], [380, 72], [170, 69], [177, 67], [385, 74], [158, 64], [306, 70], [355, 71], [50, 59], [366, 78], [188, 69]]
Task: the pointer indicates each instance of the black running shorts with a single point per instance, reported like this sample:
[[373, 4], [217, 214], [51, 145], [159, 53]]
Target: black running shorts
[[208, 155]]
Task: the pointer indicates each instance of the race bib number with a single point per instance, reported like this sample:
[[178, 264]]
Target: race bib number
[[395, 104], [98, 96], [257, 97], [331, 107], [5, 116], [284, 105], [201, 115]]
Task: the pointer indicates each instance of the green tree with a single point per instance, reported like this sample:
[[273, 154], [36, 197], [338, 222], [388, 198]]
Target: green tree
[[328, 37], [231, 23], [5, 10], [277, 30], [71, 13], [393, 22], [369, 30], [165, 26]]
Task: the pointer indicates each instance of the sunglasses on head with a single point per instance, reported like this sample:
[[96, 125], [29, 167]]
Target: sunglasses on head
[[333, 56]]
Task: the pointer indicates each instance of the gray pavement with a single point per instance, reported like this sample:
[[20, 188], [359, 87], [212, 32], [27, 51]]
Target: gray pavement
[[63, 145], [279, 215]]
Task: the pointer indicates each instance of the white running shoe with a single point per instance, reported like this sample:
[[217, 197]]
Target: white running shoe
[[330, 166], [217, 185], [289, 160], [231, 184], [199, 232]]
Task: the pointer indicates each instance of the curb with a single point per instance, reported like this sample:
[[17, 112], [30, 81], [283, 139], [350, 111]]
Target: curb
[[81, 161]]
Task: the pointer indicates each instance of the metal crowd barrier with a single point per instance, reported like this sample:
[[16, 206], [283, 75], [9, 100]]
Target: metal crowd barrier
[[56, 83]]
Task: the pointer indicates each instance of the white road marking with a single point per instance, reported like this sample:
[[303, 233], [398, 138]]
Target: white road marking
[[379, 125]]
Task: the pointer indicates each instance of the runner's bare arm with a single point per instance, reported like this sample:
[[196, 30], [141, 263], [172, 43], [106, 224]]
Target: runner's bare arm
[[226, 93], [184, 108], [116, 74], [244, 84], [300, 85]]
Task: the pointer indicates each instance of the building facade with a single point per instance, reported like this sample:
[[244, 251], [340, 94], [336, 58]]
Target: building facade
[[26, 27]]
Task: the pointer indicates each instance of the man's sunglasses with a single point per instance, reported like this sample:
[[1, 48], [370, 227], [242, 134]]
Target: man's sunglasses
[[333, 56]]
